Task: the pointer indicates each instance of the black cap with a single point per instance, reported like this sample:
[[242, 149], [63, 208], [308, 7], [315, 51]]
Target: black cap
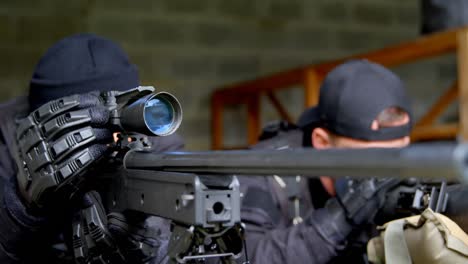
[[79, 64], [352, 96]]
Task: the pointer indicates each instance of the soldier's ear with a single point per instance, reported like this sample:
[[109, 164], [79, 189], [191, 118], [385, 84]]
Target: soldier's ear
[[321, 138]]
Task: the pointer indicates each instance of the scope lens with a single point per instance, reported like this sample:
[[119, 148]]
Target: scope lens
[[159, 115]]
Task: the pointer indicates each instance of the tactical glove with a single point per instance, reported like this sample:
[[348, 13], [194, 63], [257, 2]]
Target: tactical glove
[[342, 220], [356, 204], [57, 145], [362, 199], [116, 238]]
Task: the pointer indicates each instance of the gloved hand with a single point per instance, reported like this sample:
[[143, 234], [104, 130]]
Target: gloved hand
[[117, 237], [141, 238], [362, 199], [57, 145], [356, 205]]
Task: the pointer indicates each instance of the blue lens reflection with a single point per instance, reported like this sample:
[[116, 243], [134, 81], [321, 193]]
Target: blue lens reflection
[[159, 116]]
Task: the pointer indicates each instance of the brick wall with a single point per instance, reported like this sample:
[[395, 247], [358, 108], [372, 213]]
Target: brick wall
[[190, 47]]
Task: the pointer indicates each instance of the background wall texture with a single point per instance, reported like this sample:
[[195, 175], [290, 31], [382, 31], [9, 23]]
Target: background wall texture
[[191, 47]]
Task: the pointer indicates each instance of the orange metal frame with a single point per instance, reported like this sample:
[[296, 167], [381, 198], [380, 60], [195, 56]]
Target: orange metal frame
[[310, 78]]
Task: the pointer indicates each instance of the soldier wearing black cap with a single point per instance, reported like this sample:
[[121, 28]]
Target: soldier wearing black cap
[[292, 220], [30, 232]]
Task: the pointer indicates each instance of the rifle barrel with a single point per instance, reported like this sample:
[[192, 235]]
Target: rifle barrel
[[429, 161]]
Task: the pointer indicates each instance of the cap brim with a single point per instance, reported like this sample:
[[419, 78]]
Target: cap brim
[[309, 117]]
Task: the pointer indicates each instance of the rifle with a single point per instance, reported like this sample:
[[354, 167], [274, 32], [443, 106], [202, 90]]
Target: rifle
[[199, 191]]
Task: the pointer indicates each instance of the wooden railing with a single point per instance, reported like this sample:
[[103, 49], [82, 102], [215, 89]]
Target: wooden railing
[[311, 76]]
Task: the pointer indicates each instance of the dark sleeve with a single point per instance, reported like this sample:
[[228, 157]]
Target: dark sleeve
[[24, 238], [316, 240], [21, 235], [18, 229]]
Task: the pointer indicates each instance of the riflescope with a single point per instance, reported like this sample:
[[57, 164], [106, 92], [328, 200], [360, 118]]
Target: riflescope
[[143, 111]]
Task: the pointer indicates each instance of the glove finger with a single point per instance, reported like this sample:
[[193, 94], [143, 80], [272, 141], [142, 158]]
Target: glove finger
[[99, 116], [79, 242], [60, 149], [138, 241], [95, 116], [104, 246], [69, 174], [65, 104], [103, 135], [72, 168], [118, 225], [42, 158], [57, 107], [129, 225]]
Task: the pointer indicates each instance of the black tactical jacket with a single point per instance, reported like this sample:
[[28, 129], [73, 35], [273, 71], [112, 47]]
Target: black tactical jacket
[[269, 209]]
